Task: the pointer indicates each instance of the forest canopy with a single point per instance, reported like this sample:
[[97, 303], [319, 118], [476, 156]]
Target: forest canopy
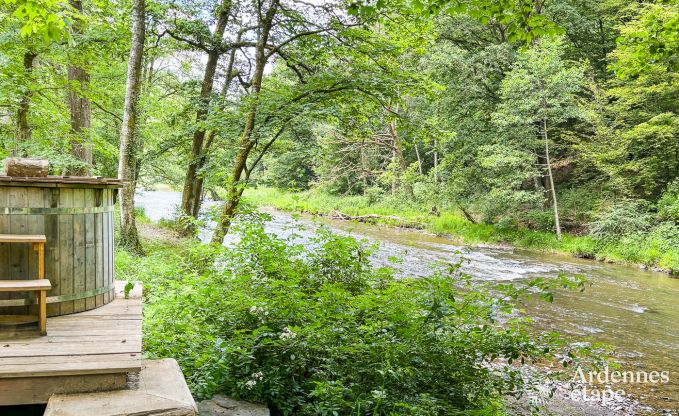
[[552, 116]]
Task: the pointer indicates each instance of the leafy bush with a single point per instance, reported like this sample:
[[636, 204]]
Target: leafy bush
[[668, 204], [374, 194], [315, 329], [577, 204], [542, 220], [624, 218]]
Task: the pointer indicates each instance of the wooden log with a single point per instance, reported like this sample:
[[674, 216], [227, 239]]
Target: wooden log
[[375, 218], [36, 168]]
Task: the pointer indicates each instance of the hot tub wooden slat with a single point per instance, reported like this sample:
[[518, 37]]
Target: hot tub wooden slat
[[18, 253], [78, 225], [66, 249], [99, 259], [79, 271], [4, 247], [90, 265]]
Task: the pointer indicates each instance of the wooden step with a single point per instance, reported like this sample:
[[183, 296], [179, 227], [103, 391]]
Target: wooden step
[[22, 238], [24, 285], [83, 352], [161, 390]]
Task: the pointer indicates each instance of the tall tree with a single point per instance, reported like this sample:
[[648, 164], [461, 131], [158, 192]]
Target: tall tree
[[40, 24], [235, 187], [127, 165], [79, 106], [23, 126], [213, 46], [537, 95]]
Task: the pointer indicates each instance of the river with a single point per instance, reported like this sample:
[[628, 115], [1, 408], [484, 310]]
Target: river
[[634, 311]]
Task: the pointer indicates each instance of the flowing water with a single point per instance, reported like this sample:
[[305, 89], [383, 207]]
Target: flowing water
[[634, 311]]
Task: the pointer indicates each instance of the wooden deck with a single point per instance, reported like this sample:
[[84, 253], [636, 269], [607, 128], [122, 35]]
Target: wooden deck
[[87, 351]]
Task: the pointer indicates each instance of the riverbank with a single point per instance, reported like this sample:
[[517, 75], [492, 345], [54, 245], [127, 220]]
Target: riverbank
[[648, 252], [171, 260]]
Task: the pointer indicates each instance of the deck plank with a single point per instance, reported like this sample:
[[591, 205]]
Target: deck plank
[[106, 340]]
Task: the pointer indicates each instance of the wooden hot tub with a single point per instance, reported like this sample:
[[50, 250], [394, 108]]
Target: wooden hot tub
[[76, 215]]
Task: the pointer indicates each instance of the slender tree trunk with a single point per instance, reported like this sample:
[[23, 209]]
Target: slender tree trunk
[[394, 179], [191, 193], [209, 139], [364, 165], [23, 128], [79, 104], [398, 158], [555, 205], [544, 175], [419, 160], [127, 164], [81, 148], [436, 161], [235, 187]]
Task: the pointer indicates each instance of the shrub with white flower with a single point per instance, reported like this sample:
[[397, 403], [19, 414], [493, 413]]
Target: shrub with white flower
[[287, 334]]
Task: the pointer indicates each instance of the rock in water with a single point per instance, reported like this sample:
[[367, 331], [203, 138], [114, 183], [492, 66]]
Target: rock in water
[[37, 168]]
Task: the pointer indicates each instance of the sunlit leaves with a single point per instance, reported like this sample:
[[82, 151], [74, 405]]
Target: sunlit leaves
[[649, 41], [523, 20], [45, 19]]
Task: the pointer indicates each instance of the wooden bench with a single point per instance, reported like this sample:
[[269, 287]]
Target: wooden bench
[[38, 286]]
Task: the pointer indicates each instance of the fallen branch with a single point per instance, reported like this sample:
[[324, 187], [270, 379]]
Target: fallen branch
[[375, 218]]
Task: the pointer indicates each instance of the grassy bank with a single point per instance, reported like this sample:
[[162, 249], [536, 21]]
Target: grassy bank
[[649, 250]]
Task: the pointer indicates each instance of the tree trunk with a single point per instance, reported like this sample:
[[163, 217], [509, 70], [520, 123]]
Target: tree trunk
[[555, 205], [192, 190], [364, 165], [79, 104], [23, 128], [209, 138], [419, 160], [399, 159], [543, 180], [127, 164], [235, 187], [436, 161]]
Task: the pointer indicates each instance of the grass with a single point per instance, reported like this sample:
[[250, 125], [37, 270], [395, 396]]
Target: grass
[[648, 251]]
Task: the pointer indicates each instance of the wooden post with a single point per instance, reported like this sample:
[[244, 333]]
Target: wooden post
[[40, 248], [41, 295], [42, 314]]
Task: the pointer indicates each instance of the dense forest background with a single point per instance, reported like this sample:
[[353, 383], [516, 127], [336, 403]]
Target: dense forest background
[[546, 115], [549, 124]]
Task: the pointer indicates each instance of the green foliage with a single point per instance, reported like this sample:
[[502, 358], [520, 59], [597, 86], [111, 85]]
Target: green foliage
[[540, 86], [668, 204], [522, 20], [127, 289], [624, 218], [650, 41], [314, 329], [44, 19]]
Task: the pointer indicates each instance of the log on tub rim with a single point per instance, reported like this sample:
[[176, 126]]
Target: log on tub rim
[[28, 167]]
